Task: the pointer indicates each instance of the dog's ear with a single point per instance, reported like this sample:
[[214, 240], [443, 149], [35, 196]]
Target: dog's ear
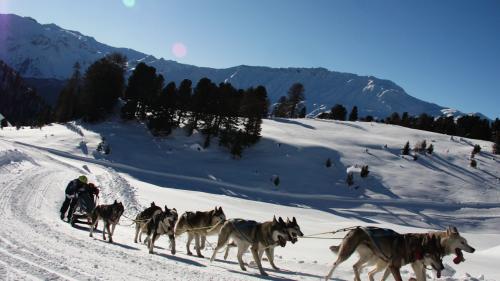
[[451, 230], [153, 204], [287, 220], [274, 218], [166, 208], [294, 220], [280, 220], [116, 202]]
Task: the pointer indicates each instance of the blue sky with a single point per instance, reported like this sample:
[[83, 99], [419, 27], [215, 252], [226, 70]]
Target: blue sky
[[447, 52]]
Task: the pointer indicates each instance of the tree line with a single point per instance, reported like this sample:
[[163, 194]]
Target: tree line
[[19, 104], [233, 115], [469, 126]]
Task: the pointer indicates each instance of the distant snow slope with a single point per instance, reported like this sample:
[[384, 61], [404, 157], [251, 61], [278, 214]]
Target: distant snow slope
[[399, 193], [48, 51]]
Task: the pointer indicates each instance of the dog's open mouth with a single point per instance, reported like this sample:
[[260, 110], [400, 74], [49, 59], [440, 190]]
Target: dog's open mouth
[[460, 256], [281, 241]]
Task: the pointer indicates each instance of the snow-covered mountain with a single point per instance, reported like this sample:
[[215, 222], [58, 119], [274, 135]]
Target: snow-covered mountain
[[49, 51]]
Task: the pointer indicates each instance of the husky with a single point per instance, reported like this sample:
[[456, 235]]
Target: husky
[[393, 249], [293, 230], [451, 242], [143, 217], [199, 225], [110, 215], [248, 233], [162, 222]]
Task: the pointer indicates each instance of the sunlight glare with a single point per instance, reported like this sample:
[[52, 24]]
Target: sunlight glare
[[179, 50], [129, 3]]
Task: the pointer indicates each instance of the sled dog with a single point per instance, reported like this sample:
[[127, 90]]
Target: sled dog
[[110, 215], [247, 233], [293, 230], [198, 225], [388, 250], [162, 223], [143, 217], [450, 242]]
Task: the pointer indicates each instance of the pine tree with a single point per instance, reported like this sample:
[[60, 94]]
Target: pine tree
[[430, 149], [183, 100], [103, 84], [350, 179], [496, 142], [67, 107], [143, 89], [353, 116], [473, 163], [364, 171], [276, 180], [406, 149], [476, 149], [338, 112], [295, 96]]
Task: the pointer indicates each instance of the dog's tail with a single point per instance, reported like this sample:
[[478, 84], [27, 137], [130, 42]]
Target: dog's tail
[[179, 225], [335, 249]]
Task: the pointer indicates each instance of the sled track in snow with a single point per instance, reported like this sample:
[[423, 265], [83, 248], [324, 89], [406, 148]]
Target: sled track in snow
[[36, 245]]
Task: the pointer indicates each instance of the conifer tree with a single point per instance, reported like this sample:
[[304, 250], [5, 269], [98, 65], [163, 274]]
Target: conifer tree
[[406, 149], [67, 107], [295, 96], [430, 149], [103, 84], [338, 112], [353, 116]]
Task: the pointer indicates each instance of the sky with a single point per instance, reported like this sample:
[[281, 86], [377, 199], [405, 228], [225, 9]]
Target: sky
[[446, 52]]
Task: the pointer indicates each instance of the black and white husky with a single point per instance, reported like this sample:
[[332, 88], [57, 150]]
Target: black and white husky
[[162, 223]]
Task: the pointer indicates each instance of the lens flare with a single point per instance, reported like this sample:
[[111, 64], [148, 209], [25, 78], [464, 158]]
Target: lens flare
[[129, 3], [179, 50]]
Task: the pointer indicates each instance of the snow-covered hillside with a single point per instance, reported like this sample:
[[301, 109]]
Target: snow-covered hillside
[[49, 51], [430, 193]]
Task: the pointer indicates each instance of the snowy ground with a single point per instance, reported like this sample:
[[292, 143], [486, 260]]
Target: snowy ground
[[400, 193]]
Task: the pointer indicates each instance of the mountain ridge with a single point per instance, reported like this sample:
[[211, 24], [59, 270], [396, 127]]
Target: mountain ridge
[[48, 51]]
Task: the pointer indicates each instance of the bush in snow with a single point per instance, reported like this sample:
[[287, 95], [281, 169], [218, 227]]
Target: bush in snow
[[364, 171], [275, 179], [103, 147], [415, 157], [473, 163], [430, 149], [350, 179], [476, 149], [328, 163], [406, 149]]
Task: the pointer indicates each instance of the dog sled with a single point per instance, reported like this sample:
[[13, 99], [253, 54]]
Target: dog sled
[[85, 205]]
